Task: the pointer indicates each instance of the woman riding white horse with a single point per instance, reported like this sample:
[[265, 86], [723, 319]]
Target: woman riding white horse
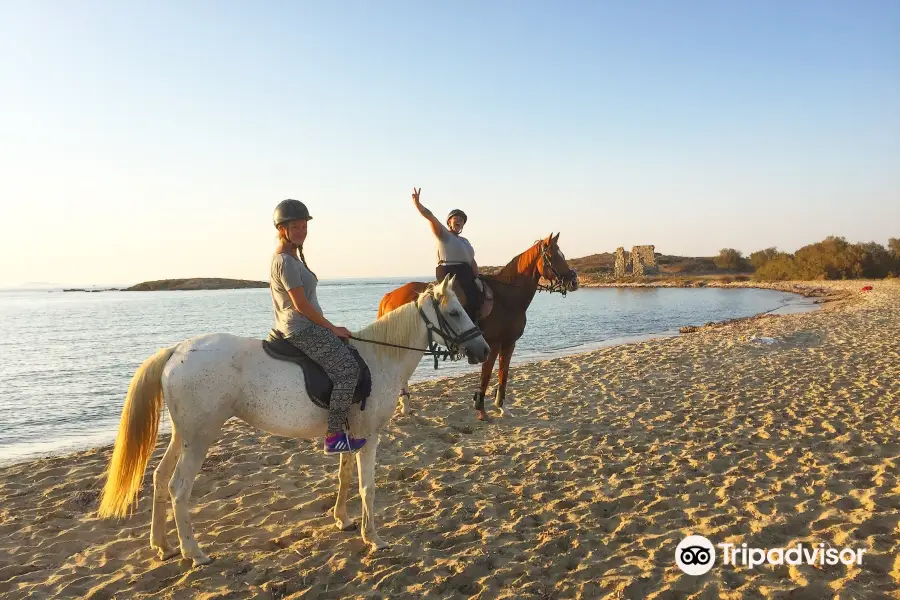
[[206, 380], [299, 318]]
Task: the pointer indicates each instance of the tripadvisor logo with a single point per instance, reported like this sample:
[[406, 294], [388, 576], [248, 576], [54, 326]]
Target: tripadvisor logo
[[696, 555]]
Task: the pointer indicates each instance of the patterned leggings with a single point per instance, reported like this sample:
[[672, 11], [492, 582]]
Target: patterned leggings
[[333, 355]]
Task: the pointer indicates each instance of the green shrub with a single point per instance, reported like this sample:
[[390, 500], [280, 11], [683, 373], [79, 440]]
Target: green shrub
[[760, 257], [730, 259], [832, 258]]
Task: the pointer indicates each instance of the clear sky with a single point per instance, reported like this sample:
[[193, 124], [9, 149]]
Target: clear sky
[[153, 140]]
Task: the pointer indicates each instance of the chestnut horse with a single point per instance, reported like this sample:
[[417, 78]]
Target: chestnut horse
[[514, 288]]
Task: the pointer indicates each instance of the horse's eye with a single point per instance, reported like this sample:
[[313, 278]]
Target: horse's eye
[[454, 313]]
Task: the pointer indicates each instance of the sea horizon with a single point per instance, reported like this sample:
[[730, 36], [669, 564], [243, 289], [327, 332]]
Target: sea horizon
[[41, 286]]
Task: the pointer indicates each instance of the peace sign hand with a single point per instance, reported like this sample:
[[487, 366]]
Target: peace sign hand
[[415, 196]]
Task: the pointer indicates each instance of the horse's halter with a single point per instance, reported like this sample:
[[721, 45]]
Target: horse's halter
[[559, 281], [452, 340]]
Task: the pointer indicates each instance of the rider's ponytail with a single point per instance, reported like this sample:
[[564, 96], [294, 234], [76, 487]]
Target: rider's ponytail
[[303, 258]]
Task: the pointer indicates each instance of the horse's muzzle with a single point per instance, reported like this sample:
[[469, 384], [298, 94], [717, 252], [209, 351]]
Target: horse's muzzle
[[571, 280], [477, 353]]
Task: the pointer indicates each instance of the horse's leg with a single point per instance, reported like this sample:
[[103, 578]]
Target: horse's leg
[[161, 477], [403, 398], [345, 473], [486, 369], [365, 461], [180, 486], [506, 352]]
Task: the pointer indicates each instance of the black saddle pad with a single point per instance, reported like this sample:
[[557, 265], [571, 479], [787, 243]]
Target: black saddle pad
[[318, 385]]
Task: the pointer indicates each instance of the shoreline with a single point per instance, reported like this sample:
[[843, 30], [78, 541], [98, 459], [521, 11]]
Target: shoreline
[[75, 449], [804, 289], [807, 289], [612, 457], [834, 295], [521, 360]]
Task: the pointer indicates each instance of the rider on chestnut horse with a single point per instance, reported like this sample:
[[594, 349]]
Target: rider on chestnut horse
[[455, 254], [513, 287]]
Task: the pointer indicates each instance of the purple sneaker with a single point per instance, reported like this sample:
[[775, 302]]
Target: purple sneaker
[[340, 443]]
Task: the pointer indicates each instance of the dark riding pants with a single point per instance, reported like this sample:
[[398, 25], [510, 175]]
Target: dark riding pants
[[466, 279]]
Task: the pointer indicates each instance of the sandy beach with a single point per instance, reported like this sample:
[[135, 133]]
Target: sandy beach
[[768, 431]]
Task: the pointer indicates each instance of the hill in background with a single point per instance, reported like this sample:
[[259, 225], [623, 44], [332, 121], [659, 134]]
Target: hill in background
[[832, 258]]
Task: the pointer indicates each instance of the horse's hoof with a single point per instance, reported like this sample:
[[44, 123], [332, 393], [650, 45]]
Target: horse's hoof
[[379, 544], [482, 416], [351, 526], [167, 553], [201, 560]]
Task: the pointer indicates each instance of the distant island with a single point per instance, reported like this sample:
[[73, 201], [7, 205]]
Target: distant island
[[196, 283]]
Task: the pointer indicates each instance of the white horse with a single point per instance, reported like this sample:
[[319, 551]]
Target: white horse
[[208, 379]]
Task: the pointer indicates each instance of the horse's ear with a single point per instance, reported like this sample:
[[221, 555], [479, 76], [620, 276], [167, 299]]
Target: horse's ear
[[442, 286], [555, 239]]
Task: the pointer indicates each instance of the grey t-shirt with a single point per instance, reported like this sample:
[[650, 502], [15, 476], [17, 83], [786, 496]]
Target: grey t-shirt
[[452, 248], [288, 272]]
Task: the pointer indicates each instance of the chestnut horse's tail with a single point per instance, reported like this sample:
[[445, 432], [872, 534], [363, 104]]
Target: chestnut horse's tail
[[137, 436]]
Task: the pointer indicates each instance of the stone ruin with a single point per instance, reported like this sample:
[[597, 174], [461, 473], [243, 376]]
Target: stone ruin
[[621, 261], [643, 261], [641, 258]]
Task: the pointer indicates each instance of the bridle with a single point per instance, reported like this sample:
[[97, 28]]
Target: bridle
[[558, 283], [452, 340]]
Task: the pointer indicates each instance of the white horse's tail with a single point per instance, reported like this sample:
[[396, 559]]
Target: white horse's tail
[[137, 436]]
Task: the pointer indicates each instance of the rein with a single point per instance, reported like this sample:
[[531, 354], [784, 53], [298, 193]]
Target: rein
[[555, 286], [444, 329], [432, 350]]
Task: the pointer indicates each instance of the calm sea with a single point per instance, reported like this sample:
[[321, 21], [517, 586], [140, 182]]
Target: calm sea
[[66, 358]]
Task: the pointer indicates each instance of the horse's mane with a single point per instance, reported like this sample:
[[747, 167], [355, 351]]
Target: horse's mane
[[519, 264], [395, 327]]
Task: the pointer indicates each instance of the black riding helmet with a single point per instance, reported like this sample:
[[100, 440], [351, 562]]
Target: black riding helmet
[[290, 210], [456, 213]]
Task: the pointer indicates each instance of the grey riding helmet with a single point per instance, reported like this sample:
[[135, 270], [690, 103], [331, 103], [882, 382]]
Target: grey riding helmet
[[456, 213], [290, 210]]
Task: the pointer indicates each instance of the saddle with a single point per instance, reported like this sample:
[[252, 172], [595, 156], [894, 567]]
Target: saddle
[[318, 385], [487, 295]]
